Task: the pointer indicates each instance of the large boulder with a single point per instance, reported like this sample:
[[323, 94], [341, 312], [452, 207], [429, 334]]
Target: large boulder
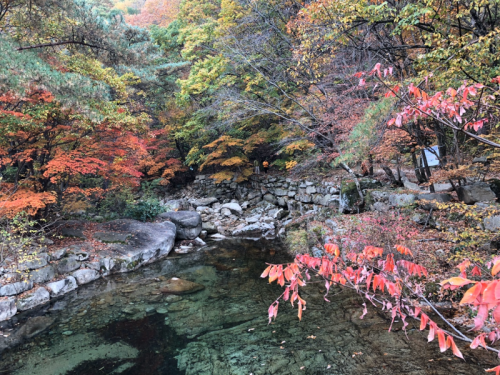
[[187, 223], [147, 242], [7, 308], [479, 192], [33, 299]]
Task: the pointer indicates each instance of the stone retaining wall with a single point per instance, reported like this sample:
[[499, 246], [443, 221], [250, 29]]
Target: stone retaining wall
[[277, 190]]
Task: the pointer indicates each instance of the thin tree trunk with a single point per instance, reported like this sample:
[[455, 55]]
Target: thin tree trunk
[[356, 182], [427, 170], [389, 174], [420, 177]]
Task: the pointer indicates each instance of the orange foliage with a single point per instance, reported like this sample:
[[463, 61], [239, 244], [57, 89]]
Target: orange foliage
[[155, 12], [49, 151], [12, 202]]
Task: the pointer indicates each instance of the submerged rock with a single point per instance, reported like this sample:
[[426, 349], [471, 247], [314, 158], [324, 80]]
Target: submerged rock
[[180, 286]]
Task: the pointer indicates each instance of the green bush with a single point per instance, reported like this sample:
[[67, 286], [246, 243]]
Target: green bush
[[145, 209], [115, 203]]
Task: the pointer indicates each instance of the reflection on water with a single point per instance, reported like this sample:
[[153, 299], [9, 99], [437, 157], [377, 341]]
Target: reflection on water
[[128, 324]]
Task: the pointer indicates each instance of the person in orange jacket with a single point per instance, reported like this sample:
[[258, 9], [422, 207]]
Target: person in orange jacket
[[266, 166]]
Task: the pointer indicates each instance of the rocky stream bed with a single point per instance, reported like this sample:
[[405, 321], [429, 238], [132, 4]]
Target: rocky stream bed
[[206, 313]]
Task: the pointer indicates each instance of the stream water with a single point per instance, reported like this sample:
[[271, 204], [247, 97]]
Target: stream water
[[125, 325]]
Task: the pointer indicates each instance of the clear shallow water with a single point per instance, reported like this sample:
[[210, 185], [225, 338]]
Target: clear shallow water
[[126, 325]]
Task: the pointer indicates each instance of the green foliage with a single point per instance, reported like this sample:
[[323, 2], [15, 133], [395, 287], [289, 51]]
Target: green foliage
[[145, 210], [115, 203], [366, 133]]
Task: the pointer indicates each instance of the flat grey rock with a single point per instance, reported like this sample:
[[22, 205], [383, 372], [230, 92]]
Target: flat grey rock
[[16, 288], [401, 200], [58, 288], [247, 230], [209, 227], [42, 275], [492, 223], [58, 254], [203, 201], [33, 263], [33, 299], [111, 237], [235, 208], [85, 276], [68, 264], [72, 232], [438, 197]]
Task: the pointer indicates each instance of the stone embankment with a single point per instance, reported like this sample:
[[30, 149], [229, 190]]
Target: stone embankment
[[113, 247]]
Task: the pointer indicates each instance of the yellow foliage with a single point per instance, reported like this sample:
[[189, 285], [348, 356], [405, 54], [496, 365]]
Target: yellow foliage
[[290, 164], [245, 173], [234, 161], [222, 176]]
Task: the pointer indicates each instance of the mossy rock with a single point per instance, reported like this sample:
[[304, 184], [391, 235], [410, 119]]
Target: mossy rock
[[297, 241], [350, 193]]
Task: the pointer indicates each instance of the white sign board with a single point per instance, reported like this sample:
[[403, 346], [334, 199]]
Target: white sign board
[[432, 159]]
